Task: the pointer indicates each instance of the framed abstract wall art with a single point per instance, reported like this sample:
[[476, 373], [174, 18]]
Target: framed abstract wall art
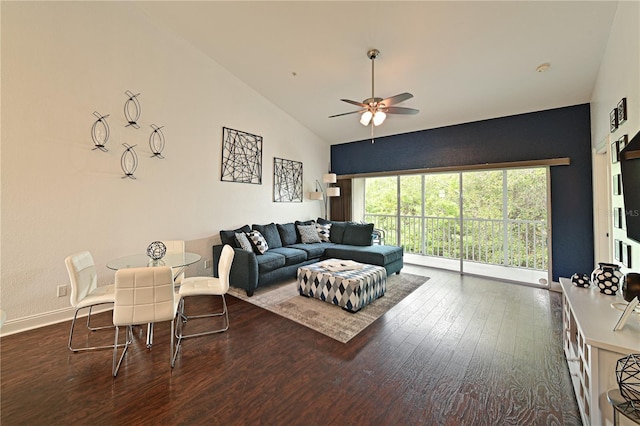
[[287, 181], [241, 157]]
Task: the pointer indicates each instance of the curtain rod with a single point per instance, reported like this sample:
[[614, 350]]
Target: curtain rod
[[563, 161]]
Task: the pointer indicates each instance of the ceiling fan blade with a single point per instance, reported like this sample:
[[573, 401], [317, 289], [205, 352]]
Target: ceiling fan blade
[[396, 99], [347, 113], [349, 101], [401, 110]]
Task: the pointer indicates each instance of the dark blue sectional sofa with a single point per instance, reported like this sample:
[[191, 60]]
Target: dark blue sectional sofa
[[287, 252]]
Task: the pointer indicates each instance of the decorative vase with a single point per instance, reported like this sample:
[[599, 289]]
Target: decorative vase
[[631, 286], [580, 280], [627, 373], [607, 277], [156, 250]]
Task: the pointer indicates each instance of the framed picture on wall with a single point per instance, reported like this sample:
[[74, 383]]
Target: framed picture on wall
[[241, 157], [617, 217], [622, 142], [626, 255], [613, 120], [617, 247], [287, 181], [622, 111], [617, 184], [615, 152]]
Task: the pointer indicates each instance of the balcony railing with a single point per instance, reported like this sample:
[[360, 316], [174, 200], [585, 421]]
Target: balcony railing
[[517, 243]]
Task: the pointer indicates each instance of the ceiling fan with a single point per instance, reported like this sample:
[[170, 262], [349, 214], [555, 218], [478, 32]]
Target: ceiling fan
[[374, 110]]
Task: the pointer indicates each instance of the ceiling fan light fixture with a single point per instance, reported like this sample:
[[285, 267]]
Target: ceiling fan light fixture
[[378, 118], [375, 108], [365, 118]]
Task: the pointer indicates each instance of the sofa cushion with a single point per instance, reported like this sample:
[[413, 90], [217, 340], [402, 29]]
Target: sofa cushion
[[308, 234], [270, 262], [258, 241], [373, 255], [337, 232], [270, 234], [292, 256], [358, 234], [244, 242], [229, 237], [306, 222], [314, 251], [288, 234], [324, 231]]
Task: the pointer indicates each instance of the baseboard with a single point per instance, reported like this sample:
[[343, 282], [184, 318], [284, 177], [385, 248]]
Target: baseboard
[[19, 325], [555, 286]]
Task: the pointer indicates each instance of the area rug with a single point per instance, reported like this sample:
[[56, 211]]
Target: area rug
[[326, 318]]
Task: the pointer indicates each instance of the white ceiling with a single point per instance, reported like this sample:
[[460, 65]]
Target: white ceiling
[[462, 61]]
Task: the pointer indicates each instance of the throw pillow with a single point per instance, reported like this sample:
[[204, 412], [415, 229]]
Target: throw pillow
[[270, 234], [308, 234], [288, 234], [358, 234], [337, 232], [229, 237], [306, 222], [324, 231], [243, 241], [258, 241]]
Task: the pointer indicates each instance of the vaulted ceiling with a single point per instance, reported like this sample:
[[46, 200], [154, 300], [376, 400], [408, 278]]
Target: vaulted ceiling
[[462, 61]]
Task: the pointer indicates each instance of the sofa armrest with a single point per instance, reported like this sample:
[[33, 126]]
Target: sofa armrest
[[244, 269]]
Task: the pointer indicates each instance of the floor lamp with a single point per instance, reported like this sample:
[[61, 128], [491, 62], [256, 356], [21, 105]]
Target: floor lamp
[[329, 191]]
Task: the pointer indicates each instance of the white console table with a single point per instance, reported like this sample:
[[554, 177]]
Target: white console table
[[592, 348]]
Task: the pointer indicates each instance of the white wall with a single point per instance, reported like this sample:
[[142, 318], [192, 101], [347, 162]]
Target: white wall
[[619, 77], [63, 60]]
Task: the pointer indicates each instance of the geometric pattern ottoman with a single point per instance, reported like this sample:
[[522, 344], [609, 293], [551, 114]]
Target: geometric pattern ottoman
[[350, 289]]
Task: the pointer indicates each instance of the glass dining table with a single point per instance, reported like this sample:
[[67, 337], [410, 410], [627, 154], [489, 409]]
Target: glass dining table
[[174, 260]]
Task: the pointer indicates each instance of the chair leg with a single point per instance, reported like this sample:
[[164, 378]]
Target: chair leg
[[89, 322], [181, 314], [73, 323], [128, 340], [178, 329], [149, 335], [172, 356], [186, 317]]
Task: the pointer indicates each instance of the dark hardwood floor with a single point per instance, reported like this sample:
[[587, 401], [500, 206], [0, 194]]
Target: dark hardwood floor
[[457, 351]]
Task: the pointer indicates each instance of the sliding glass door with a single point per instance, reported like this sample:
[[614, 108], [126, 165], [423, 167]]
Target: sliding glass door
[[491, 223], [505, 224]]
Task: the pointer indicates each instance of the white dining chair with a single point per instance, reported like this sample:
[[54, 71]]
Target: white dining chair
[[142, 296], [85, 293], [205, 286]]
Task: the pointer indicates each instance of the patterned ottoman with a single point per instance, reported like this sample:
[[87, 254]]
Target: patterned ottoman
[[351, 288]]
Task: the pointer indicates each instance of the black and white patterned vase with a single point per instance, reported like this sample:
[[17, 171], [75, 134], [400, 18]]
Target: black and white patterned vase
[[580, 280], [607, 277]]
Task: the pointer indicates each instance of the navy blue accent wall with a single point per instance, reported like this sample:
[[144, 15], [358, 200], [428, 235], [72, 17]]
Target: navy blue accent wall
[[562, 132]]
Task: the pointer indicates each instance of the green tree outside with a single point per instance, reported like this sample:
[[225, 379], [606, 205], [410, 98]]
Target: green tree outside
[[430, 224]]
